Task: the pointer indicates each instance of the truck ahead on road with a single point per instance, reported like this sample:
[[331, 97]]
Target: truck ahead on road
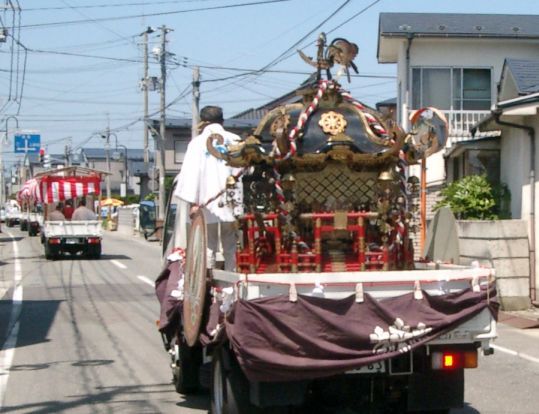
[[328, 309], [69, 236]]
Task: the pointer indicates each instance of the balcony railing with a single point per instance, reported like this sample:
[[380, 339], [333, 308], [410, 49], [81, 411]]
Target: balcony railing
[[460, 123]]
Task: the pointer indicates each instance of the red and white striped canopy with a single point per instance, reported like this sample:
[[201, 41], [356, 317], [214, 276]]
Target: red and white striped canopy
[[54, 189], [30, 191]]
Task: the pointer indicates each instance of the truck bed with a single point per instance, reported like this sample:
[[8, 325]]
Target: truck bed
[[90, 228]]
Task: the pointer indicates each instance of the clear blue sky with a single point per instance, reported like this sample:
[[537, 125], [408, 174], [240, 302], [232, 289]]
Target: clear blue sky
[[69, 98]]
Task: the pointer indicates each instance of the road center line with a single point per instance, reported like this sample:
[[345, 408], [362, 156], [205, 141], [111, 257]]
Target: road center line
[[146, 280], [118, 264], [8, 349], [515, 353]]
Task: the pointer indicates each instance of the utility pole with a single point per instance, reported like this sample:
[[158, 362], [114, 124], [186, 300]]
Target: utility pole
[[107, 156], [145, 87], [125, 176], [161, 144], [4, 140], [196, 102], [67, 153]]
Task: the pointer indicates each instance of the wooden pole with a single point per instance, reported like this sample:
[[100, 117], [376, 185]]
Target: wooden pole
[[423, 205]]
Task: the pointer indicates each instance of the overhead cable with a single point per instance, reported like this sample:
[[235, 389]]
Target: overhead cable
[[138, 16]]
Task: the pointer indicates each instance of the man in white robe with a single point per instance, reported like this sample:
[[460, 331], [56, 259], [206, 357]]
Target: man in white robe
[[203, 177]]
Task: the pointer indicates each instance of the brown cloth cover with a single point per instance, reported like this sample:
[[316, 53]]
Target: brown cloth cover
[[278, 340], [166, 282]]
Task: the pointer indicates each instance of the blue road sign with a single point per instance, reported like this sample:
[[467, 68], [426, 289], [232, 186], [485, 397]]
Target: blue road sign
[[27, 143]]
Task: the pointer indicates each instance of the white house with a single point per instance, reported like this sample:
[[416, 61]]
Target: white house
[[453, 62], [481, 71], [516, 116]]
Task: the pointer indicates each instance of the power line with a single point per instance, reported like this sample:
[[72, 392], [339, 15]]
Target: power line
[[338, 26], [119, 36], [54, 52], [99, 6], [137, 16], [186, 91], [283, 56], [288, 72], [82, 102], [354, 16], [280, 57]]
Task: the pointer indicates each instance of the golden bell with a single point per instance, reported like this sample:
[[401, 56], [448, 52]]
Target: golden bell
[[230, 181], [288, 181], [386, 176]]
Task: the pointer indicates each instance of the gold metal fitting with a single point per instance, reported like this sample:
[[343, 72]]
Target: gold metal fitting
[[230, 181]]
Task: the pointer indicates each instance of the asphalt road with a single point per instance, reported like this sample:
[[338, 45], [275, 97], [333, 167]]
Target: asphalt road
[[79, 336], [87, 340]]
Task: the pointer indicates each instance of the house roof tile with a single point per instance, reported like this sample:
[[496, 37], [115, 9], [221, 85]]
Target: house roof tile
[[525, 73], [459, 25]]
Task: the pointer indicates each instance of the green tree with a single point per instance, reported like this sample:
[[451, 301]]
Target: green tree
[[474, 198]]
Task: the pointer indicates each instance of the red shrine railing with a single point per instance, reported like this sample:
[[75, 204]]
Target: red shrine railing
[[265, 251]]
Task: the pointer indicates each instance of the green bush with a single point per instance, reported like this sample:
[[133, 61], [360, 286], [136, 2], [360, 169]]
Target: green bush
[[474, 198]]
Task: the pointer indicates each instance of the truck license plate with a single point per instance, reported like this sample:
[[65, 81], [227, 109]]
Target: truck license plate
[[374, 368], [71, 241]]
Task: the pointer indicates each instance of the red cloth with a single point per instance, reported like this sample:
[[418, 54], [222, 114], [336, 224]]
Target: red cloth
[[68, 212], [278, 340]]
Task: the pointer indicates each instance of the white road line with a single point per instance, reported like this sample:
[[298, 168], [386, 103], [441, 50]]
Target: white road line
[[515, 353], [8, 349], [146, 280], [118, 264]]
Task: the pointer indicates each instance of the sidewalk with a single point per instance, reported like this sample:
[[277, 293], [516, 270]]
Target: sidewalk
[[525, 319], [134, 237]]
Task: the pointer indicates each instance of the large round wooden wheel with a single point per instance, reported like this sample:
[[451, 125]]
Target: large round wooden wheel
[[194, 279]]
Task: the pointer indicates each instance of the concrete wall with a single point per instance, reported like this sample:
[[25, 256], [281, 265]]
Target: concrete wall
[[126, 221], [504, 245]]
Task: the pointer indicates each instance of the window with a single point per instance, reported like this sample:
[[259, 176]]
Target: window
[[180, 146], [477, 162], [451, 88]]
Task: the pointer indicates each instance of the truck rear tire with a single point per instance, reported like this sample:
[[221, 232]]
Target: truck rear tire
[[94, 251], [50, 254], [185, 368], [229, 391]]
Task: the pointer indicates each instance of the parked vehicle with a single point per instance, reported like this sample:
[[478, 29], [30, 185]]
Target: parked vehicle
[[75, 237], [327, 308], [13, 213], [146, 218]]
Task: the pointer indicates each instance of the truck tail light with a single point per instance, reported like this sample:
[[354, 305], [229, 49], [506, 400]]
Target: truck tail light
[[94, 240], [450, 360], [470, 359], [54, 240]]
